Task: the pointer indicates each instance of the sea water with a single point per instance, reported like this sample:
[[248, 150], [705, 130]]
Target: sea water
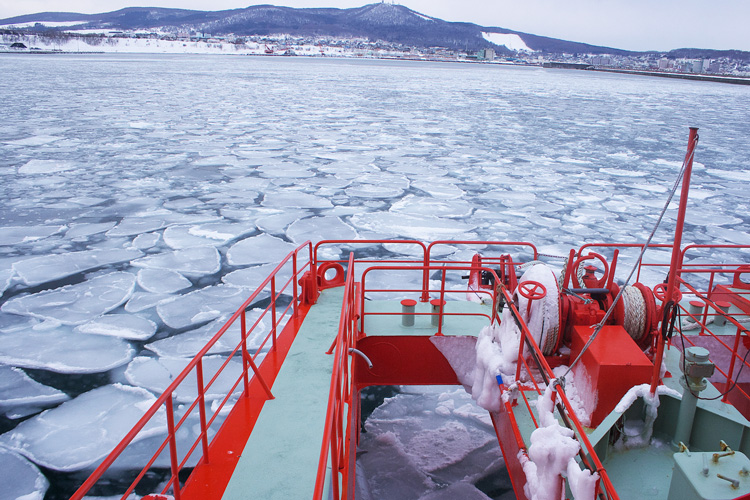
[[135, 187]]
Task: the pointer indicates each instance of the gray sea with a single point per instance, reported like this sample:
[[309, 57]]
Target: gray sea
[[136, 187]]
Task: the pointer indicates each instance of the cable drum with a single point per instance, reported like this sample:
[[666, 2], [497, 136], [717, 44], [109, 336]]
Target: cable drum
[[543, 318], [634, 307]]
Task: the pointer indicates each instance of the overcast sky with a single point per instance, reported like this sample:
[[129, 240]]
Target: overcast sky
[[625, 24]]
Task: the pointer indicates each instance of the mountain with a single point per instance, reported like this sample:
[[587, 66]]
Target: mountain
[[378, 21]]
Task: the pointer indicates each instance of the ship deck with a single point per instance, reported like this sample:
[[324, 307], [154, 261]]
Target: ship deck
[[280, 459]]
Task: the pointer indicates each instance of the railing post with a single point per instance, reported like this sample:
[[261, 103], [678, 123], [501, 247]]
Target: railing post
[[173, 448], [295, 298], [202, 408], [730, 374], [675, 263], [273, 309], [245, 354]]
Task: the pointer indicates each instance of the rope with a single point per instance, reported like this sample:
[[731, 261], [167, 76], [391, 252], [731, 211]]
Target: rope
[[635, 312], [600, 325]]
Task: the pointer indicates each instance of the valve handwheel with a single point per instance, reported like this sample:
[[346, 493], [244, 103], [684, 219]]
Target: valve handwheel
[[599, 284], [660, 292], [532, 290]]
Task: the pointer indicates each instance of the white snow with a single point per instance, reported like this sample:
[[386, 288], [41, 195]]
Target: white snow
[[81, 432], [510, 40], [75, 304], [552, 452], [638, 433]]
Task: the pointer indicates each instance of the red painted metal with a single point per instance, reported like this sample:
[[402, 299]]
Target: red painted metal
[[676, 249], [403, 360], [613, 362], [166, 398]]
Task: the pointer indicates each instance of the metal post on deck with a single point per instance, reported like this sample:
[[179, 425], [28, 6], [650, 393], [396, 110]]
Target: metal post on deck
[[675, 263]]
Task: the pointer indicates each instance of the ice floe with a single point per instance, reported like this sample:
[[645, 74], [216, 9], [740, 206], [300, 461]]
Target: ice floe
[[156, 375], [188, 344], [20, 395], [162, 280], [81, 432], [260, 249], [213, 233], [59, 349], [295, 199], [38, 270], [124, 326], [75, 304], [320, 228], [140, 301], [13, 235], [20, 478], [426, 227], [193, 262], [201, 305]]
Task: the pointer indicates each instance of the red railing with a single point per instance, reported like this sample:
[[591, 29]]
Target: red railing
[[565, 410], [335, 446], [287, 286]]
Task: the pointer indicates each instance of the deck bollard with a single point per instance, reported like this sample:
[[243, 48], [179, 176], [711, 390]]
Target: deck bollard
[[696, 306], [721, 319], [437, 311], [407, 311]]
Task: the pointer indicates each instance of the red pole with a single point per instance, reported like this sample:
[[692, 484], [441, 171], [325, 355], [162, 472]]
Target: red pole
[[671, 284]]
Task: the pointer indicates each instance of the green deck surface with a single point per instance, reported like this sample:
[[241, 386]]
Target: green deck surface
[[280, 459]]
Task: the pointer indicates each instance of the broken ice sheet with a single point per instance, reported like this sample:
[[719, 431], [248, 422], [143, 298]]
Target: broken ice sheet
[[201, 305], [162, 280], [320, 228], [295, 199], [38, 270], [21, 394], [260, 249], [124, 326], [52, 349], [425, 228], [212, 233], [193, 262], [188, 344], [79, 433], [75, 304], [20, 478], [156, 375], [13, 235]]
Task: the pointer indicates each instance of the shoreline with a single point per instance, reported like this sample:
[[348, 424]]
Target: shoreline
[[733, 80]]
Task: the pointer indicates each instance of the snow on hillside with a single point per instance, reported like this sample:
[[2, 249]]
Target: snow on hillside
[[511, 41]]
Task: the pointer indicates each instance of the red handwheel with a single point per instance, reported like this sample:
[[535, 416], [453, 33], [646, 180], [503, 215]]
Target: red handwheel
[[660, 292], [577, 264], [531, 290]]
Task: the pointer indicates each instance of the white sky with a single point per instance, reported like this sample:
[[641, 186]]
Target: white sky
[[625, 24]]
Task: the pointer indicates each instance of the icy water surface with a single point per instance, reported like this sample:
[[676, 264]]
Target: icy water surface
[[134, 188]]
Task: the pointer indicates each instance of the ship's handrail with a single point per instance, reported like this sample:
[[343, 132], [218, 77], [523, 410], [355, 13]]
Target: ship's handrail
[[426, 257], [709, 313], [564, 409], [338, 414], [442, 292], [195, 365]]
